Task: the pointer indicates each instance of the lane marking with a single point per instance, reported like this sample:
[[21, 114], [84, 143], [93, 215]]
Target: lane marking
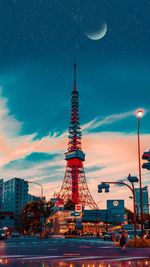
[[12, 256], [131, 258], [85, 258], [11, 245], [71, 254], [41, 257], [108, 258]]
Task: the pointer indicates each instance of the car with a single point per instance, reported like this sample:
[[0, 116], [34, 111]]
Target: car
[[131, 234], [15, 234], [107, 236], [3, 235]]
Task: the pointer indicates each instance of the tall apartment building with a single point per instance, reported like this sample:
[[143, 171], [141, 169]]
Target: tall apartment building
[[1, 192], [145, 199], [15, 196]]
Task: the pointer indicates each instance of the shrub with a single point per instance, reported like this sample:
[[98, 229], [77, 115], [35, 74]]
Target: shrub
[[139, 243]]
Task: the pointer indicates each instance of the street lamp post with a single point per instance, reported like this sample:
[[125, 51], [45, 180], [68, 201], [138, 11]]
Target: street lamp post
[[139, 115], [29, 182], [41, 198]]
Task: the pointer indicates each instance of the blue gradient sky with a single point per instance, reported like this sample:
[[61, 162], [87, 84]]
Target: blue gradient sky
[[38, 41]]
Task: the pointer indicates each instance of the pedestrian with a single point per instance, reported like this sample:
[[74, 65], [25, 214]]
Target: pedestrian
[[123, 241]]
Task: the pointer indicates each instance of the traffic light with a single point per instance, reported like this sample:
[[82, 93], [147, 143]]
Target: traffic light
[[106, 190], [132, 179], [146, 165], [103, 186], [146, 156], [100, 189]]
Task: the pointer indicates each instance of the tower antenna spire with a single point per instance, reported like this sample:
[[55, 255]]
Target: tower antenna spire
[[75, 86]]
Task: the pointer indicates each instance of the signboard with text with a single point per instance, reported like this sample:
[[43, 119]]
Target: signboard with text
[[78, 208]]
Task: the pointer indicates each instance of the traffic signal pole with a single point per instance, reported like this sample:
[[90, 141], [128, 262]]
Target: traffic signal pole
[[133, 194]]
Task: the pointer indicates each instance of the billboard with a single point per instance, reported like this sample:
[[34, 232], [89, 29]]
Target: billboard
[[116, 207], [115, 204]]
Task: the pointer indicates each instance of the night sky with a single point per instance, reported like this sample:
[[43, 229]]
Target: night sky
[[38, 42]]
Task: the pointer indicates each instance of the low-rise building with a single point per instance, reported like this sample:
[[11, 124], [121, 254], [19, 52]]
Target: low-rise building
[[88, 221], [7, 219]]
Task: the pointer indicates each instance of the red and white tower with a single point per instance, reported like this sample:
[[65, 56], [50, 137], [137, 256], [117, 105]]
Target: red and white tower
[[75, 186]]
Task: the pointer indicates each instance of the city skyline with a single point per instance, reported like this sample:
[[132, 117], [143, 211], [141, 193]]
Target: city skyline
[[36, 79]]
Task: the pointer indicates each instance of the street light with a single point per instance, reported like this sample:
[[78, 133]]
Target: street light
[[139, 115], [42, 219], [29, 182]]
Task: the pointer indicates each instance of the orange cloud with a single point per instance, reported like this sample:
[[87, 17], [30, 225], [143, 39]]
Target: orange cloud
[[114, 151]]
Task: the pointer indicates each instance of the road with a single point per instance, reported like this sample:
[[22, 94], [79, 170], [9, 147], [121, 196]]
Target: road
[[19, 250]]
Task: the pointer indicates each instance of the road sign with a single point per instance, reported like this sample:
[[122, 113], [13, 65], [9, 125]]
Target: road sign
[[75, 213], [78, 208]]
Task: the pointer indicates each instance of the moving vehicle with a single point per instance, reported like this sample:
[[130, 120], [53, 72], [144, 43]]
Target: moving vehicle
[[15, 234], [131, 234], [108, 236]]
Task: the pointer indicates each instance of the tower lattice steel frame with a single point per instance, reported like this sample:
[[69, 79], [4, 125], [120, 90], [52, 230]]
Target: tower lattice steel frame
[[74, 185]]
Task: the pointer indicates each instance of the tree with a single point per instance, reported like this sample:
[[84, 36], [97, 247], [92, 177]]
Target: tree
[[146, 220], [33, 214], [130, 216], [69, 205]]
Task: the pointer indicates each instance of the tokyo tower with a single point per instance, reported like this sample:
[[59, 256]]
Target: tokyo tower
[[74, 185]]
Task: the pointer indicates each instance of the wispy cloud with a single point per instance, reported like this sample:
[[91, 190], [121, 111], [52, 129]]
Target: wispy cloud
[[97, 122], [109, 155]]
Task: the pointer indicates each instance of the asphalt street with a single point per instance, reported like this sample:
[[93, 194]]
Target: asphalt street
[[21, 250]]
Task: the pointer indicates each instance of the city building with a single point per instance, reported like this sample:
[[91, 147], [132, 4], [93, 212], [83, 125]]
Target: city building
[[145, 200], [15, 196], [33, 198], [1, 192], [87, 221], [7, 219]]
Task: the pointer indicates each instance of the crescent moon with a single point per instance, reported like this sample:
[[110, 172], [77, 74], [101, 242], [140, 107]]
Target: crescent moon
[[98, 34]]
